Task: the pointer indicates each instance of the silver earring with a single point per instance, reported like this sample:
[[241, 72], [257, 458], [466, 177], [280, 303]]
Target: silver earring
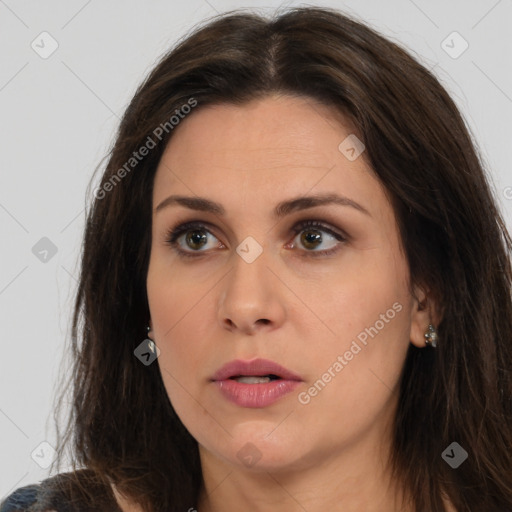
[[431, 336]]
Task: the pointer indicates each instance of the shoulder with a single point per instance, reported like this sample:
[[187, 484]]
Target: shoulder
[[21, 499], [77, 491]]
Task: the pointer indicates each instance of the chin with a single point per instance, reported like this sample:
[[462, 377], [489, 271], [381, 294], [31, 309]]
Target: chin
[[262, 448]]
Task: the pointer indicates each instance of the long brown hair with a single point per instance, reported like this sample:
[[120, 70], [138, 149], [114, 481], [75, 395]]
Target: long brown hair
[[123, 428]]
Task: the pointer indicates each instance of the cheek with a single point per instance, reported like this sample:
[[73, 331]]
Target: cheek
[[181, 306], [177, 302], [358, 360]]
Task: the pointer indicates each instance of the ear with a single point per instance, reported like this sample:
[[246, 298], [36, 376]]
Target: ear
[[425, 311]]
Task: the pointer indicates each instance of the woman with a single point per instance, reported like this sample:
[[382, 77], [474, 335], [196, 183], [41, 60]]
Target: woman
[[295, 288]]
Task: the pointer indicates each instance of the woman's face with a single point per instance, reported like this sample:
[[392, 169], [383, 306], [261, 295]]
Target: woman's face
[[329, 303]]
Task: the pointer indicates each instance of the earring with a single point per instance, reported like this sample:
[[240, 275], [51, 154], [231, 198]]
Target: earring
[[431, 336], [149, 329]]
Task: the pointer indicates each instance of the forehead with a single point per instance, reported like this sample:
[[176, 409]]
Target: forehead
[[275, 145]]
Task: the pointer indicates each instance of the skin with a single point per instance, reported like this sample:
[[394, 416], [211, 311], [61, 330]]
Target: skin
[[288, 306]]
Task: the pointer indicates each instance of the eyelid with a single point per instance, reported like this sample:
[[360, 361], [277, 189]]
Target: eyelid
[[178, 230], [321, 226]]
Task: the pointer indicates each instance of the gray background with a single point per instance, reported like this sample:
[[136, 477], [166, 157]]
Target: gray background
[[58, 117]]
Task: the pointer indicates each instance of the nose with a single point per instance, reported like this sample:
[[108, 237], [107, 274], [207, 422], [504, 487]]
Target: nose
[[251, 299]]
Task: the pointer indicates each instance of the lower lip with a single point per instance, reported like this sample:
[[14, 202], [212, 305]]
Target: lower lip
[[255, 395]]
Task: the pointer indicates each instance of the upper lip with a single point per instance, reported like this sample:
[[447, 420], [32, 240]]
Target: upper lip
[[256, 367]]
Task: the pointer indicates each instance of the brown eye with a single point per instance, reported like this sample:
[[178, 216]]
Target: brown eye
[[195, 239], [311, 238], [191, 239], [313, 235]]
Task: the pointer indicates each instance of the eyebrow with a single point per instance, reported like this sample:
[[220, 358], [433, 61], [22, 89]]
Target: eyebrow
[[281, 210]]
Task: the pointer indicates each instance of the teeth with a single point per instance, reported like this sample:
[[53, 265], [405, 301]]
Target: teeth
[[253, 380]]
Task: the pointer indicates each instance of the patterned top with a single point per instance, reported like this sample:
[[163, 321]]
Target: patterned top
[[20, 499], [66, 492]]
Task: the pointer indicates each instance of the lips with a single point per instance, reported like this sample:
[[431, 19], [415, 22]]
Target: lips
[[257, 383], [254, 368]]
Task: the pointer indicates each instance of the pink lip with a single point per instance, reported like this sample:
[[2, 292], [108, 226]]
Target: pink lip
[[254, 395]]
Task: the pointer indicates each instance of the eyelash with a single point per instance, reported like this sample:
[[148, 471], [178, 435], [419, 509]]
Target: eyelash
[[174, 233]]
